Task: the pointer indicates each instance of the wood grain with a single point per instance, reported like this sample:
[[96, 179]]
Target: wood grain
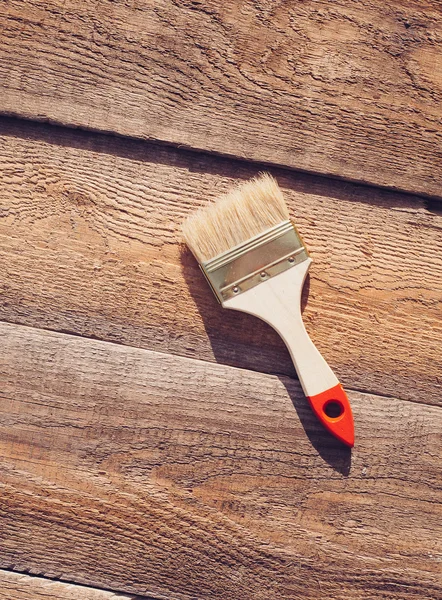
[[142, 472], [345, 88], [90, 244], [17, 586]]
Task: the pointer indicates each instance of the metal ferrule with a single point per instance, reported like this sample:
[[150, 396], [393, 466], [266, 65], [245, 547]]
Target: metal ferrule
[[254, 261]]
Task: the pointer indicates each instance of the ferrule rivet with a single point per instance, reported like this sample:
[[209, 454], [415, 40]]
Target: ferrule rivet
[[235, 289], [291, 259], [263, 274]]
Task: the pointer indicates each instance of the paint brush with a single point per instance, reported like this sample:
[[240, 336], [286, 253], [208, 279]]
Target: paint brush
[[255, 261]]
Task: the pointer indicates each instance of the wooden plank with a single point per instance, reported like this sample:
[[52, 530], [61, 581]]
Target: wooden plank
[[348, 88], [142, 472], [90, 244], [17, 586]]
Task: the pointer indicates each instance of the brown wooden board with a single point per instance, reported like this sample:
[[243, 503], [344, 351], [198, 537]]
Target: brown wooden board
[[345, 88], [142, 472], [17, 586], [91, 244]]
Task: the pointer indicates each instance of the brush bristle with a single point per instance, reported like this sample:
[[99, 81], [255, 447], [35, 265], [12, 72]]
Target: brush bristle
[[248, 210]]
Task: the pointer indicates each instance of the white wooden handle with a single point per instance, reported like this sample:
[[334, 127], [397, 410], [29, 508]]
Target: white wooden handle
[[277, 301]]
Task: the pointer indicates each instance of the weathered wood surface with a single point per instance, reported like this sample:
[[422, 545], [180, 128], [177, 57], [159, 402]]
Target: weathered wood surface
[[16, 586], [346, 88], [142, 472], [90, 244]]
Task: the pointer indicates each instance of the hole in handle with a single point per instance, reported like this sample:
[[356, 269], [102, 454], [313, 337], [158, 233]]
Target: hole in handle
[[333, 409]]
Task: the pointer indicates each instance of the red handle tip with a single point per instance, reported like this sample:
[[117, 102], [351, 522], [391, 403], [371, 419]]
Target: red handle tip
[[333, 410]]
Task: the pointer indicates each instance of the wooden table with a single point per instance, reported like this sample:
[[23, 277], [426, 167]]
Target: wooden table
[[152, 444]]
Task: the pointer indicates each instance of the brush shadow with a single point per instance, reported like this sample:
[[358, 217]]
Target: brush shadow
[[237, 339], [331, 450]]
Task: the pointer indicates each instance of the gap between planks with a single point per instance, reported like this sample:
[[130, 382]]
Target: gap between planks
[[90, 230], [342, 89], [27, 586], [281, 376]]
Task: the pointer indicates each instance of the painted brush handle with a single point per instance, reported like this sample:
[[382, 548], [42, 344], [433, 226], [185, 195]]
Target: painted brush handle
[[278, 302], [334, 411]]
